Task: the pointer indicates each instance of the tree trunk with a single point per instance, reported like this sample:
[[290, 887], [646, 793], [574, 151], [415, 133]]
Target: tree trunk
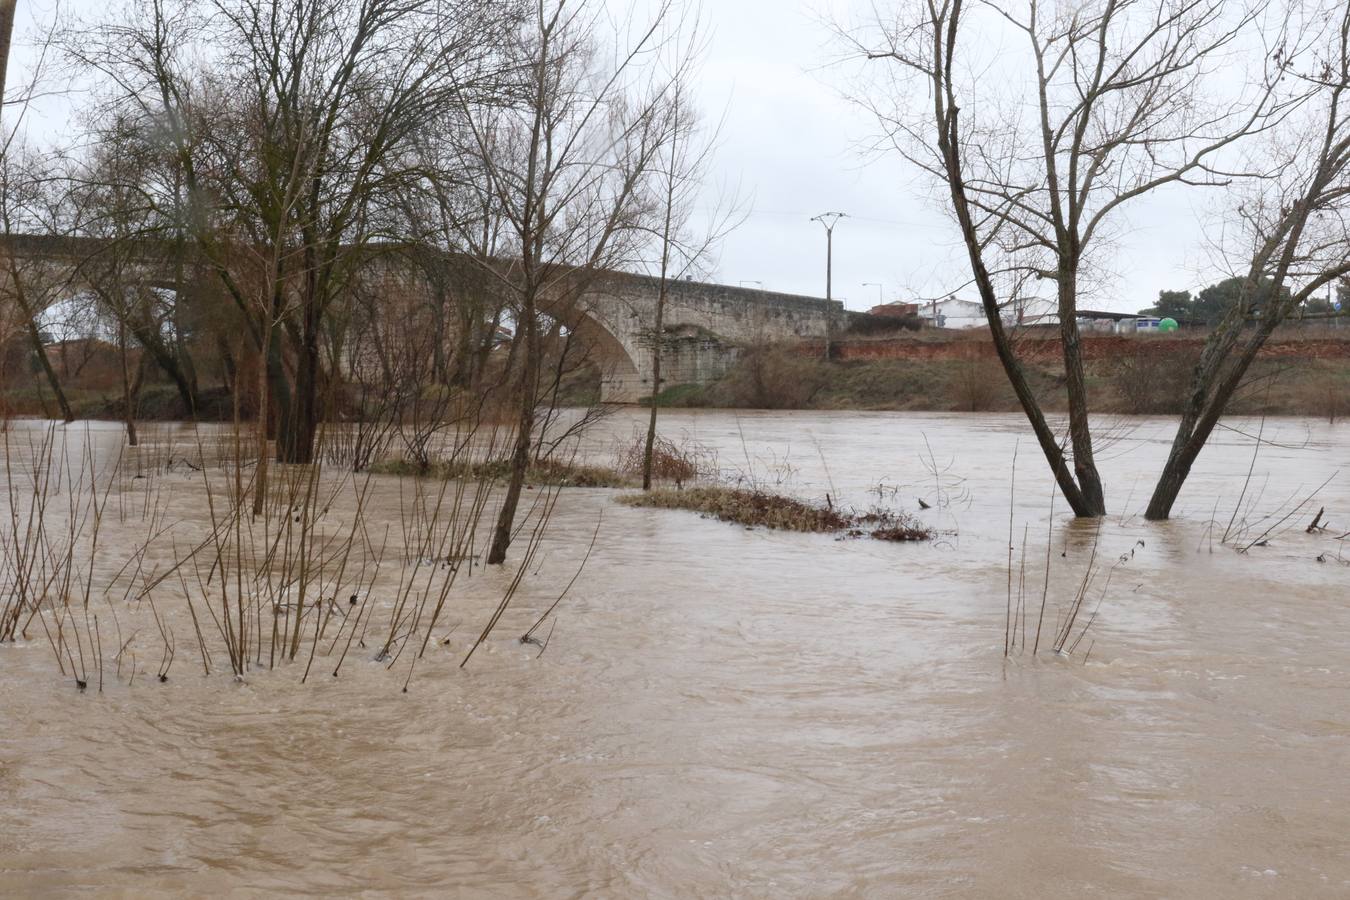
[[1075, 385], [40, 351], [658, 335], [295, 436], [485, 343], [182, 369], [520, 458], [461, 371], [260, 477], [128, 404], [279, 388], [948, 142], [35, 339], [1217, 377], [229, 370], [170, 363], [648, 451], [6, 32]]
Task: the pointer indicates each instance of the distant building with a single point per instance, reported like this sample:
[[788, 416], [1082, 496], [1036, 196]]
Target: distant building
[[895, 310], [957, 313], [1091, 320], [954, 313]]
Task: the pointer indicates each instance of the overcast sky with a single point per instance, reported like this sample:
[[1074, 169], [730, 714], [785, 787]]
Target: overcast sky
[[798, 148], [793, 146]]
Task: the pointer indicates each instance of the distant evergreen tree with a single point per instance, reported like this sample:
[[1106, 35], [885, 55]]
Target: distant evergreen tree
[[1176, 304], [1208, 307]]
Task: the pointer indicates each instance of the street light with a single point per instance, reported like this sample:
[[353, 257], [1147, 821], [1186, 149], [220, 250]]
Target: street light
[[878, 285], [750, 281], [829, 220]]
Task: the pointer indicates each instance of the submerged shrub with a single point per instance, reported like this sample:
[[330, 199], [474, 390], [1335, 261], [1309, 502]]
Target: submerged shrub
[[744, 507], [680, 463], [549, 472], [753, 507]]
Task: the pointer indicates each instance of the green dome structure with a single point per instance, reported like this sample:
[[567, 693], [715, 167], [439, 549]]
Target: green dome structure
[[1167, 325]]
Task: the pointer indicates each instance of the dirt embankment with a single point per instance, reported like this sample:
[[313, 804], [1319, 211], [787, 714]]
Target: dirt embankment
[[1329, 344], [1298, 373]]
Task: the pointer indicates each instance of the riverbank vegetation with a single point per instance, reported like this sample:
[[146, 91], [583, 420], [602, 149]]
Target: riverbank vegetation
[[625, 465], [150, 560], [1123, 385], [1302, 379], [547, 472]]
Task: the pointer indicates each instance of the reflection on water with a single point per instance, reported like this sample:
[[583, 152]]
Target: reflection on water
[[728, 712]]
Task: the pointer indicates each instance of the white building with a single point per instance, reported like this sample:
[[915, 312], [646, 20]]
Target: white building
[[953, 313]]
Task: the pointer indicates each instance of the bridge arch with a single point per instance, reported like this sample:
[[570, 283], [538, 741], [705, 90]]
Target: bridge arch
[[706, 327]]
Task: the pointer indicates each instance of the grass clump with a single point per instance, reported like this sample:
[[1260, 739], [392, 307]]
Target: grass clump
[[756, 508]]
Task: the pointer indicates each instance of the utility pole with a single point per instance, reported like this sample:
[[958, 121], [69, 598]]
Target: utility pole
[[829, 220]]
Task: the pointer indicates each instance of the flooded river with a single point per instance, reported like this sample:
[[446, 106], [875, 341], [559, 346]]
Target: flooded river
[[724, 712]]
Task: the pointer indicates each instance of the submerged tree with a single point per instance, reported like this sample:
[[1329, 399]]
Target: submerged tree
[[1041, 149], [567, 166], [680, 247], [1295, 225]]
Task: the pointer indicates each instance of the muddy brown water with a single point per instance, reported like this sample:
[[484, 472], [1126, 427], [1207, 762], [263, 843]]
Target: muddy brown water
[[726, 712]]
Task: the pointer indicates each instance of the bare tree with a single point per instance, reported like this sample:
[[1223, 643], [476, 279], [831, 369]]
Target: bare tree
[[681, 172], [455, 230], [110, 208], [566, 164], [1295, 228], [31, 207], [1041, 149], [289, 120], [128, 198]]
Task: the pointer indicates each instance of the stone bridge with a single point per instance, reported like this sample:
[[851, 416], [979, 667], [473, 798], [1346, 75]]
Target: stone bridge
[[707, 326]]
